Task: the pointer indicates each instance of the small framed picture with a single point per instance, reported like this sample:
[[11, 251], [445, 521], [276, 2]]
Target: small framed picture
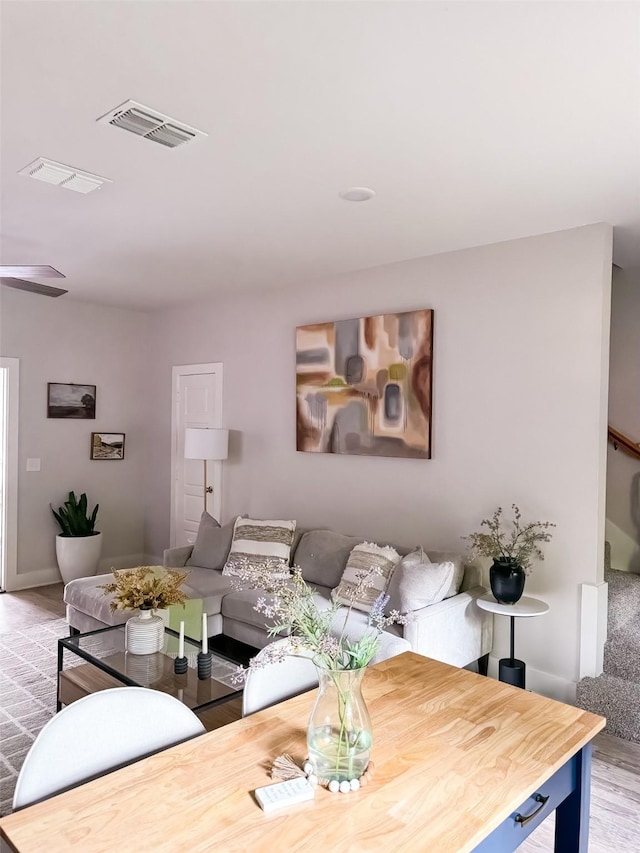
[[67, 400], [107, 445]]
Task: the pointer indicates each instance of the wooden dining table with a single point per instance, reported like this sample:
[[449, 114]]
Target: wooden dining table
[[462, 763]]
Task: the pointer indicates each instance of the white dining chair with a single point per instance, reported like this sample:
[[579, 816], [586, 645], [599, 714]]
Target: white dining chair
[[99, 733], [274, 682]]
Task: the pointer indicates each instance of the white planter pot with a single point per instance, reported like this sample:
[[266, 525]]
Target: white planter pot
[[78, 555]]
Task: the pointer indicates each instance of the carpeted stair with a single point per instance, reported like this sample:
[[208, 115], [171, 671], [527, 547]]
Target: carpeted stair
[[616, 693]]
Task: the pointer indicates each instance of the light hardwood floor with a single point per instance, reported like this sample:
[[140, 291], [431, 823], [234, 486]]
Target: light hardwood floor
[[615, 789], [20, 610]]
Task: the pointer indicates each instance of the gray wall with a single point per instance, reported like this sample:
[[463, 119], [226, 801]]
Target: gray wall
[[62, 340], [520, 390]]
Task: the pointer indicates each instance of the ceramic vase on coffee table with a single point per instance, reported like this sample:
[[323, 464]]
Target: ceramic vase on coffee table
[[144, 634]]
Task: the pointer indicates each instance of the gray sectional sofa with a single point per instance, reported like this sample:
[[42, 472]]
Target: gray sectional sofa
[[454, 630]]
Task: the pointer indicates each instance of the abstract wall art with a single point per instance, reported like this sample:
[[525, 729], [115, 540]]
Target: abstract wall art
[[363, 386]]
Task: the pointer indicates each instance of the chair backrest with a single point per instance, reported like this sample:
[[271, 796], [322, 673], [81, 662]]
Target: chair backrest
[[98, 733], [274, 682]]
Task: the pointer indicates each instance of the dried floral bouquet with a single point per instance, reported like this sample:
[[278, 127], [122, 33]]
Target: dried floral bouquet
[[521, 544], [142, 588]]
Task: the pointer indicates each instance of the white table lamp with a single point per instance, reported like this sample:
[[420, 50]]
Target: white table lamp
[[205, 444]]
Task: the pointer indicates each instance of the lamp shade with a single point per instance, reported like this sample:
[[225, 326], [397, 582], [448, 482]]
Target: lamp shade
[[206, 443]]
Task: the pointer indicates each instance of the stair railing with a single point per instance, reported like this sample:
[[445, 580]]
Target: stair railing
[[622, 442]]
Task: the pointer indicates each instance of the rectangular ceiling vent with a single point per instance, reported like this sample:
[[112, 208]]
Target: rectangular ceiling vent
[[143, 121], [67, 177]]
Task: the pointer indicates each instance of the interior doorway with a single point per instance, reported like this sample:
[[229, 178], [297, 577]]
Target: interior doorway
[[9, 376], [196, 402]]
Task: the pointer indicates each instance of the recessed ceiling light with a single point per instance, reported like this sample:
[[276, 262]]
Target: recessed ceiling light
[[67, 177], [357, 194]]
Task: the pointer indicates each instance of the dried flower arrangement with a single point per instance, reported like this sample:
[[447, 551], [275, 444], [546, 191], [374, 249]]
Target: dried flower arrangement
[[313, 624], [134, 589], [520, 544]]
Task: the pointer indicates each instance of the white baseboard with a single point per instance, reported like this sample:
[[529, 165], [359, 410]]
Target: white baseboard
[[543, 683], [593, 627], [44, 577], [27, 580]]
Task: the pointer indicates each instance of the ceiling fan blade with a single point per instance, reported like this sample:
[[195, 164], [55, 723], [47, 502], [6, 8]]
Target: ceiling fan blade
[[31, 270], [32, 287]]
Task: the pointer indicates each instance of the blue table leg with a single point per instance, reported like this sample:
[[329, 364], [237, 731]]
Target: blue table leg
[[572, 815]]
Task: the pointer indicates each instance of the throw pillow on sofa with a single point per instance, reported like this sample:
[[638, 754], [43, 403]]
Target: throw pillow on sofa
[[265, 544], [212, 543], [322, 555], [417, 582], [363, 558]]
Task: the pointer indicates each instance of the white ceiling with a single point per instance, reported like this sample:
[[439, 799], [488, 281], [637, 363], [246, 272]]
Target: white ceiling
[[474, 122]]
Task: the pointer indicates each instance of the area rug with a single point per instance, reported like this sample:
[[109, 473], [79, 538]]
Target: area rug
[[28, 666], [28, 670]]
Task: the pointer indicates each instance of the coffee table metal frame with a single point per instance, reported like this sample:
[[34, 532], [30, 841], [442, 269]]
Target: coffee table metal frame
[[72, 644]]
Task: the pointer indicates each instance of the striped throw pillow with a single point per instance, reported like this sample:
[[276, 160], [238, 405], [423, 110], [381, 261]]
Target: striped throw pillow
[[362, 559], [260, 545]]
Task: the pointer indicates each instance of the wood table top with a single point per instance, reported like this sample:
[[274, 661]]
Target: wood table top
[[455, 754]]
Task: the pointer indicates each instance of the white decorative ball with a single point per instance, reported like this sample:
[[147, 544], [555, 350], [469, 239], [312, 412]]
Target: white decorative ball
[[312, 779], [345, 786], [307, 767], [334, 786], [355, 784]]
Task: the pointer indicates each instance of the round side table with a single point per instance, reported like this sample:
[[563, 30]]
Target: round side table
[[511, 670]]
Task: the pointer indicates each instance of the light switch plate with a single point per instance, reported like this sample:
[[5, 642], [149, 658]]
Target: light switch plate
[[33, 464]]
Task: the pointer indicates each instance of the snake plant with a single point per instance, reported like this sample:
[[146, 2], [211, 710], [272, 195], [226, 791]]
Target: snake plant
[[73, 518]]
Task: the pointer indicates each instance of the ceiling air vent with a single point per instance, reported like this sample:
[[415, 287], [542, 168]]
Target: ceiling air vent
[[151, 124], [63, 176]]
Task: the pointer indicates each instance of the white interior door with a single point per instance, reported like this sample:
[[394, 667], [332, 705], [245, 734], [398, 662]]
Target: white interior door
[[197, 402], [9, 379]]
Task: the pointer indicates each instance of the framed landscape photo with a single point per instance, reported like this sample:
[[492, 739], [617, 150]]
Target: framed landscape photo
[[67, 400], [107, 445]]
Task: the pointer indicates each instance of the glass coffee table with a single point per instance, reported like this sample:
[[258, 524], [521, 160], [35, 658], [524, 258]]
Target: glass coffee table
[[100, 661]]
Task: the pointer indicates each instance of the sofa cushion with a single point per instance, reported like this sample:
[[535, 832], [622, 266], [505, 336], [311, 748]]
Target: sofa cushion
[[265, 543], [417, 582], [84, 595], [362, 559], [212, 543], [209, 585], [322, 555]]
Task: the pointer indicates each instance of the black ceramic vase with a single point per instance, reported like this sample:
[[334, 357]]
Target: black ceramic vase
[[507, 580]]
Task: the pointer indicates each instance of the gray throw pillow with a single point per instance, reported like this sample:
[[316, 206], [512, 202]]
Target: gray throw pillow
[[417, 582], [322, 555], [212, 543]]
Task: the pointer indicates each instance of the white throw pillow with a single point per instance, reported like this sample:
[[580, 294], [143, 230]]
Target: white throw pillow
[[264, 544], [417, 582], [362, 559]]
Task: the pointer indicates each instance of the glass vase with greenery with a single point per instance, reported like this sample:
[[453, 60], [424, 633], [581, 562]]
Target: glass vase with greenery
[[339, 731]]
